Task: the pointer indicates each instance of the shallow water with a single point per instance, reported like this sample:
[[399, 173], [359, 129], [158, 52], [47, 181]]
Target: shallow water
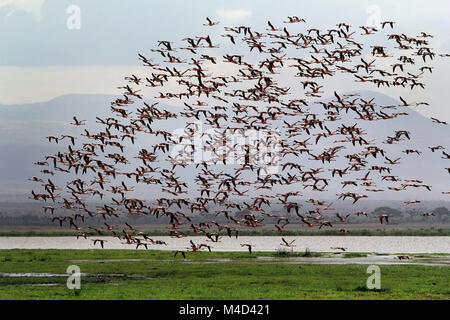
[[313, 243]]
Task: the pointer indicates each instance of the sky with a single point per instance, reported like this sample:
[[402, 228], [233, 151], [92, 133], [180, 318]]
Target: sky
[[56, 47]]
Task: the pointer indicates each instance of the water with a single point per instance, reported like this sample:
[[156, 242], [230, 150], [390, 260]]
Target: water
[[313, 243]]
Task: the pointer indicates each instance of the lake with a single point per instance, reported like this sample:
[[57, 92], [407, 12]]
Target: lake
[[397, 244]]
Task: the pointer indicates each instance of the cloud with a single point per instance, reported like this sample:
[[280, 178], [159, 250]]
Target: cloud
[[31, 6], [234, 14]]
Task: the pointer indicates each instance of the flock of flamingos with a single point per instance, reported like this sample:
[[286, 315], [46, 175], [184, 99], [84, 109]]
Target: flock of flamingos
[[234, 84]]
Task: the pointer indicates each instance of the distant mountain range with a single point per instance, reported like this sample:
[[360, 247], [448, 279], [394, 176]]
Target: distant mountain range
[[24, 127]]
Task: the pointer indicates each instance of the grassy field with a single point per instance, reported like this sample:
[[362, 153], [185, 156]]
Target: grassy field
[[125, 274]]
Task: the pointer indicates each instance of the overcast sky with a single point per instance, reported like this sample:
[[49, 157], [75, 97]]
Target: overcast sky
[[44, 53]]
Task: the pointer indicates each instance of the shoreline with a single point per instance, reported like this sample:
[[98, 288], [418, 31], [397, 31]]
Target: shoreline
[[266, 233]]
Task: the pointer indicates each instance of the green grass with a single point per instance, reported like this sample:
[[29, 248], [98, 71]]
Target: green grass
[[284, 253], [237, 275], [261, 232]]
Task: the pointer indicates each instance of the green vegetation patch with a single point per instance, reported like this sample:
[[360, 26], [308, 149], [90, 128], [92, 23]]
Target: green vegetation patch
[[127, 274]]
